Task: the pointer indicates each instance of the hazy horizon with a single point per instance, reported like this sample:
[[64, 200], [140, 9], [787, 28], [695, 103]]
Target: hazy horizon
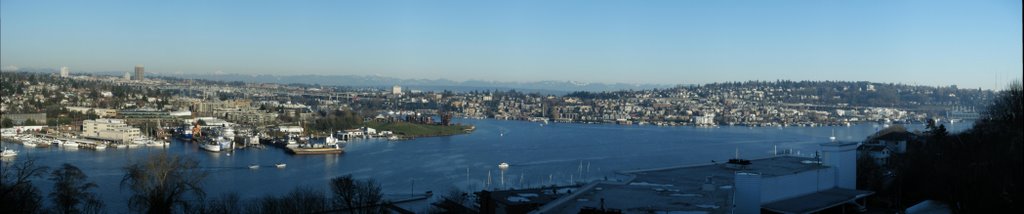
[[934, 43]]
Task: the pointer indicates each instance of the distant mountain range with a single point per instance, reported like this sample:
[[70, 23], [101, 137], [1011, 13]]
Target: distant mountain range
[[358, 81], [550, 87]]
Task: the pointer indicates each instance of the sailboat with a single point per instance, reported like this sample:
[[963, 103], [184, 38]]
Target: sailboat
[[833, 137], [8, 153]]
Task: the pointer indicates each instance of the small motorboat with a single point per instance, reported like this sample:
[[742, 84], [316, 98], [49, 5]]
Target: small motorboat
[[280, 165], [254, 166], [8, 153], [503, 166]]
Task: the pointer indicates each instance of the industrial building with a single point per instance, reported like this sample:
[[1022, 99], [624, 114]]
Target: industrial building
[[778, 184]]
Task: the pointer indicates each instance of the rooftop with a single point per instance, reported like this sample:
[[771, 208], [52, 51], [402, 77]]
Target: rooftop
[[683, 188], [815, 202]]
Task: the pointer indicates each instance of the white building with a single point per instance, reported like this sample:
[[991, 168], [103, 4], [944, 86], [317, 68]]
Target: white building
[[704, 120], [369, 131], [109, 129], [396, 90], [64, 71]]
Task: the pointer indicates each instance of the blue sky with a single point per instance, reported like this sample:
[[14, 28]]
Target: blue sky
[[967, 43]]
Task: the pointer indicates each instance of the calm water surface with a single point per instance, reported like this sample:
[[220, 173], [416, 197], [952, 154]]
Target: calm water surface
[[538, 155]]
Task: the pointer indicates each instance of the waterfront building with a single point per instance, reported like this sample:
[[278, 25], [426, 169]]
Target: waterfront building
[[109, 129], [704, 120]]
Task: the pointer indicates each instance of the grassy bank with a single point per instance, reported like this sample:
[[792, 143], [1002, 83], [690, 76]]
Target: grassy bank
[[412, 130]]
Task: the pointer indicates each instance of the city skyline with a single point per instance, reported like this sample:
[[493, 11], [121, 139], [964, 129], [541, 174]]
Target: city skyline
[[969, 44]]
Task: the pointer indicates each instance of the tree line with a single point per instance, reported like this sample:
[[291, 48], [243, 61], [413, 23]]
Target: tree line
[[980, 170], [163, 183]]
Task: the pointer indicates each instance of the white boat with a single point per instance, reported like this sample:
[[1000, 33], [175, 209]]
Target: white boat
[[254, 166], [291, 143], [214, 145], [70, 144], [39, 143], [93, 145], [225, 143], [30, 144], [141, 141], [8, 153], [210, 146], [156, 143], [280, 165]]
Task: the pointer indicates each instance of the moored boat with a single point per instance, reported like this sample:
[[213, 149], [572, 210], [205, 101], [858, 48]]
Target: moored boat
[[8, 153], [156, 143], [210, 146], [93, 145], [69, 144]]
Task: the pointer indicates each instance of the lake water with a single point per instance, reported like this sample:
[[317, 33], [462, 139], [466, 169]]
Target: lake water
[[537, 154]]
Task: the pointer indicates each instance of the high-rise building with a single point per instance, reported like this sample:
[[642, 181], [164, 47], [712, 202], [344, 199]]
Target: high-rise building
[[140, 72], [64, 71], [396, 89]]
